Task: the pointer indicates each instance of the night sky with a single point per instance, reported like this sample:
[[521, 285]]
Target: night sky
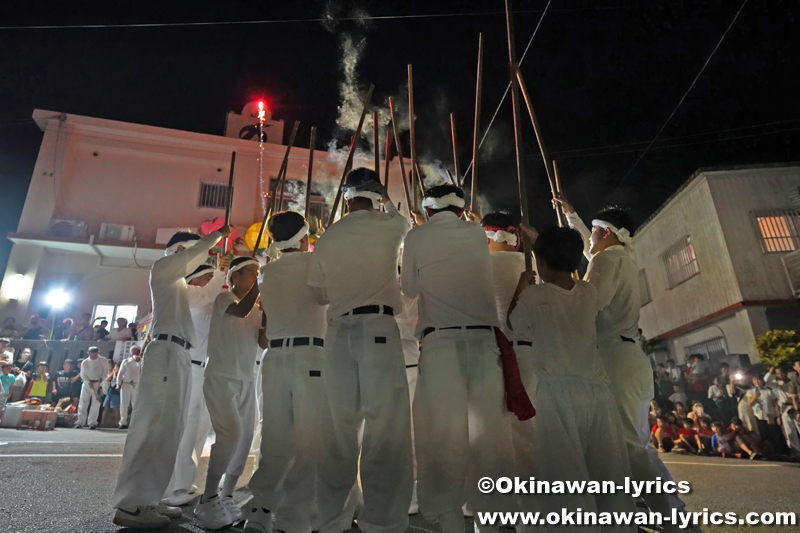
[[604, 77]]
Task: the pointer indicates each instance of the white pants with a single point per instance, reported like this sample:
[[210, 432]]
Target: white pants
[[89, 397], [461, 426], [364, 375], [190, 449], [231, 404], [160, 415], [575, 436], [412, 372], [127, 392], [632, 387], [285, 480]]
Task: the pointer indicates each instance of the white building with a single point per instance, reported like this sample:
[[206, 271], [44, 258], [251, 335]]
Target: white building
[[720, 262], [105, 196]]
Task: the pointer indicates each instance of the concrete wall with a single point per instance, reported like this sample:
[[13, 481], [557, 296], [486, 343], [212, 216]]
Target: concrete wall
[[737, 330]]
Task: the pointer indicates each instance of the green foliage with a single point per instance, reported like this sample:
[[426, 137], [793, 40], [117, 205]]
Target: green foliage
[[778, 346]]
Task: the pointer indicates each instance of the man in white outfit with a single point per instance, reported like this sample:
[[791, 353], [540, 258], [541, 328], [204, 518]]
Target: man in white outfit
[[292, 384], [355, 261], [164, 388], [613, 273], [460, 426], [205, 284], [128, 383], [407, 323], [229, 389], [94, 371]]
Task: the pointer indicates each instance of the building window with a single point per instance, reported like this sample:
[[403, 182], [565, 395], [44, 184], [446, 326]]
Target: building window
[[778, 230], [112, 312], [680, 262], [644, 288], [213, 194], [713, 350]]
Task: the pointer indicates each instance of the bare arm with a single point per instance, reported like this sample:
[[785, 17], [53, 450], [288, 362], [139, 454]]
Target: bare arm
[[245, 305]]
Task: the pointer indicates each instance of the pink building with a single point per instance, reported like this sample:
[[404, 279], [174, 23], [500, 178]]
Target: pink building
[[106, 196]]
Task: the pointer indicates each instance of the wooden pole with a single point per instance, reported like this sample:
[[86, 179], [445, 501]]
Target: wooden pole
[[311, 144], [350, 155], [538, 131], [276, 208], [386, 158], [422, 188], [515, 104], [281, 173], [376, 144], [562, 219], [402, 163], [412, 136], [476, 129], [451, 178], [454, 140], [230, 201]]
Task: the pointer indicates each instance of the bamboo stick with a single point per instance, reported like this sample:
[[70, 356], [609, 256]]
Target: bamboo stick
[[350, 155], [451, 178], [422, 187], [413, 136], [402, 163], [286, 168], [562, 219], [281, 173], [386, 158], [538, 131], [476, 129], [518, 143], [311, 144], [454, 140], [229, 206], [375, 144]]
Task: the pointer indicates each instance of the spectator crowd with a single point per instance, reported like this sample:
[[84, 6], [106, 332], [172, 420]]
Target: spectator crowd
[[69, 330], [704, 409]]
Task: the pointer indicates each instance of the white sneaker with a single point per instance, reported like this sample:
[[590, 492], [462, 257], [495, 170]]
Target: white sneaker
[[259, 520], [144, 517], [212, 513], [178, 498], [169, 511], [232, 508]]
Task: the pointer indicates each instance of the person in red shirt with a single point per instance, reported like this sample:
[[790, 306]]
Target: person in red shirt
[[687, 436], [704, 433], [663, 435]]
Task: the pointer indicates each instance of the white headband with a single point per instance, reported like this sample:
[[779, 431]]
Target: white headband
[[293, 242], [351, 192], [623, 234], [448, 200], [240, 266], [502, 236], [174, 248], [208, 269]]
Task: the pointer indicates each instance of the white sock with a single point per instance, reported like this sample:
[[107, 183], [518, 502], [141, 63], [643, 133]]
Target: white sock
[[212, 486], [229, 485]]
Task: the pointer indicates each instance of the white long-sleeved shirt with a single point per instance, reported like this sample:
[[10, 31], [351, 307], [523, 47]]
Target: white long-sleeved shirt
[[446, 265], [170, 293], [561, 325], [96, 370], [355, 260], [129, 371], [233, 341], [290, 303], [613, 272], [201, 305]]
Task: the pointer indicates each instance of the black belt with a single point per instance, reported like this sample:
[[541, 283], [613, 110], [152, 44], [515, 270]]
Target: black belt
[[296, 341], [199, 363], [427, 331], [371, 310], [522, 343], [627, 339], [174, 338]]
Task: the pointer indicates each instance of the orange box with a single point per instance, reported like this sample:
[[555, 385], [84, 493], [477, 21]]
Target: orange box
[[41, 420], [48, 420], [27, 419]]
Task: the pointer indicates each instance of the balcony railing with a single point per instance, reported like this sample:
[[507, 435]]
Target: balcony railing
[[55, 352]]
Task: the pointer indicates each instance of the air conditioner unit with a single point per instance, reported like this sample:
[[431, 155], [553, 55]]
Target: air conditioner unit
[[116, 232], [163, 235], [67, 229]]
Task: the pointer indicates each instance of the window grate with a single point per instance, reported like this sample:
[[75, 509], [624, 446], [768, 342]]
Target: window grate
[[680, 262], [713, 350], [644, 288], [213, 194], [778, 230]]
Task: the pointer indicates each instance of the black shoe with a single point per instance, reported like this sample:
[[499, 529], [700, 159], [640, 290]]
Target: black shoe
[[122, 426], [92, 427], [77, 426]]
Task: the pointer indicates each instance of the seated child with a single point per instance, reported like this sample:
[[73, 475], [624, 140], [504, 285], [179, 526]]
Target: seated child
[[704, 434], [719, 441], [663, 435], [687, 436]]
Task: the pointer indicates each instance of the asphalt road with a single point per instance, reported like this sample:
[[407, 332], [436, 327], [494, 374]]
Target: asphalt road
[[63, 481]]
